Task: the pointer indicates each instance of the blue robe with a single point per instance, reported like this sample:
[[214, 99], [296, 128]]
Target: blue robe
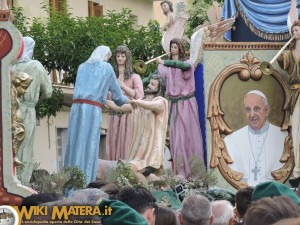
[[93, 82]]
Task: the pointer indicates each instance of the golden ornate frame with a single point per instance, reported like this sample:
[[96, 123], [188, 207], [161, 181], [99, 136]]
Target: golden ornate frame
[[248, 68]]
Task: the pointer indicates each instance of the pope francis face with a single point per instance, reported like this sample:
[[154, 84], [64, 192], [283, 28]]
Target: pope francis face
[[257, 110]]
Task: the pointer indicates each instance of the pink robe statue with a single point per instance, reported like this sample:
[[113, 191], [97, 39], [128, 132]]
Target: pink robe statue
[[186, 141], [119, 125]]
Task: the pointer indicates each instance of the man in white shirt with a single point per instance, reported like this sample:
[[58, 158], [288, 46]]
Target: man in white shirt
[[256, 148]]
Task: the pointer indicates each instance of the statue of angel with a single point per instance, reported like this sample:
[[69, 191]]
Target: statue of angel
[[292, 15], [176, 17], [288, 61], [208, 33], [212, 32], [167, 7]]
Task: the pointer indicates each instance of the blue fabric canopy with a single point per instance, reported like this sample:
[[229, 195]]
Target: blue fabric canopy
[[266, 18]]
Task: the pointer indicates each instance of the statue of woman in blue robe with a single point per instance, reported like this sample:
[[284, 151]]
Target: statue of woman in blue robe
[[95, 78]]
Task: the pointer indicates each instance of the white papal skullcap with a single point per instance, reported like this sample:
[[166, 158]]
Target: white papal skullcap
[[257, 92]]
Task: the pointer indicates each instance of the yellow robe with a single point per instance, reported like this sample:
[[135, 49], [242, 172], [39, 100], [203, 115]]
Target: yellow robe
[[148, 137]]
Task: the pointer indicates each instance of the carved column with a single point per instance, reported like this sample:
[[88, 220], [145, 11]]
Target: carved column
[[11, 190]]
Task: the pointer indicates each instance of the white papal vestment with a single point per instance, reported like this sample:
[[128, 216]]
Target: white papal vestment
[[256, 153]]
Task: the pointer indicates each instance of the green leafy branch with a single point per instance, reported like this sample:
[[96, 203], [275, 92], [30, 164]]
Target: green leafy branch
[[50, 106]]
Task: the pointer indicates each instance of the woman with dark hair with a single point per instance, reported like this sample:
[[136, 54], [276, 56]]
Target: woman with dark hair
[[268, 211], [242, 203], [37, 199], [289, 61], [185, 136], [119, 123], [111, 189], [166, 216]]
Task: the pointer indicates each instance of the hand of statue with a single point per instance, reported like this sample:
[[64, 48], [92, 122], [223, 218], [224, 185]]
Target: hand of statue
[[134, 104], [108, 105], [161, 29], [160, 61], [121, 83]]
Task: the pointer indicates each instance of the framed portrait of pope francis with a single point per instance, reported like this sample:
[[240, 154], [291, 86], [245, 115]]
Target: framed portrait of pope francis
[[249, 119]]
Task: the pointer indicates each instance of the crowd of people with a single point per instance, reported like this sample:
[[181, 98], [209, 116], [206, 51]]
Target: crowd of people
[[267, 203]]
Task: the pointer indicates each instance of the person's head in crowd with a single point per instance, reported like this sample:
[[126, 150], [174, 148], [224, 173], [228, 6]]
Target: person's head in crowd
[[196, 210], [166, 216], [140, 199], [273, 188], [256, 109], [88, 196], [83, 197], [97, 184], [37, 199], [121, 214], [290, 221], [243, 201], [223, 212], [179, 216], [111, 189], [269, 210]]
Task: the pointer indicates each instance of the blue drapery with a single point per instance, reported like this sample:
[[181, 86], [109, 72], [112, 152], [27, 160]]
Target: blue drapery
[[266, 18], [199, 94]]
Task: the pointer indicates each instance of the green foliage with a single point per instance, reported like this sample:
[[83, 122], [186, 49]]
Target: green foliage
[[51, 183], [122, 176], [50, 106], [199, 172], [197, 10], [145, 45], [221, 194], [20, 21], [198, 177], [76, 178], [64, 42], [198, 14], [21, 168], [44, 182]]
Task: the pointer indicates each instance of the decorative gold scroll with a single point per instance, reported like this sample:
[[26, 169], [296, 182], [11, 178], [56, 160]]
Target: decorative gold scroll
[[20, 82]]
